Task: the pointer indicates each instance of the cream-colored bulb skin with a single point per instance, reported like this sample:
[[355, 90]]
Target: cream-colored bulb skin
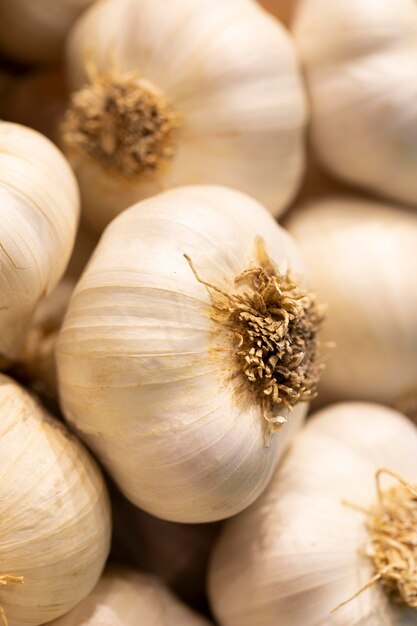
[[149, 378], [39, 209], [229, 72], [360, 60], [300, 550], [54, 511], [34, 32], [361, 257], [124, 597]]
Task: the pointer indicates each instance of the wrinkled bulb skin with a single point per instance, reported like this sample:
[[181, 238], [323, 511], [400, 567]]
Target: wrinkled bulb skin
[[39, 211], [220, 95], [54, 510], [314, 548], [360, 62], [148, 365]]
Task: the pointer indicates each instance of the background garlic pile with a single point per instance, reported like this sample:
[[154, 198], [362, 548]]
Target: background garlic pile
[[208, 335]]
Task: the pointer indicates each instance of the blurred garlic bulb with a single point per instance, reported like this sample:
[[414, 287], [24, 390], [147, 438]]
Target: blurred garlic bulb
[[322, 531], [55, 517], [208, 92], [126, 598], [361, 257], [184, 348], [38, 219], [360, 59], [34, 31]]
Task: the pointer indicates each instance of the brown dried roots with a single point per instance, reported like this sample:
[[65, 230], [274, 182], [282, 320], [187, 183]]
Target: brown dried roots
[[275, 325], [392, 524], [7, 580], [122, 122]]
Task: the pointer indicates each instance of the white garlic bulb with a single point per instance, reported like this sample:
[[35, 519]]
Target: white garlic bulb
[[123, 597], [360, 59], [361, 256], [208, 92], [321, 531], [35, 31], [178, 386], [55, 516], [39, 209]]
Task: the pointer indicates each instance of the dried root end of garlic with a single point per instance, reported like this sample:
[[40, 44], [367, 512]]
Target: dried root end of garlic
[[274, 327], [123, 123]]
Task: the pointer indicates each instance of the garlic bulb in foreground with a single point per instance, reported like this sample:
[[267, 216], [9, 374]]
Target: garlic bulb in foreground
[[33, 31], [360, 59], [123, 597], [39, 209], [54, 511], [183, 349], [361, 257], [321, 531], [208, 92]]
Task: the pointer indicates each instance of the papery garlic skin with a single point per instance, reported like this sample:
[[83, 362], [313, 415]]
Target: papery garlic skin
[[35, 31], [54, 510], [361, 256], [144, 373], [230, 72], [360, 60], [39, 208], [124, 597], [299, 551]]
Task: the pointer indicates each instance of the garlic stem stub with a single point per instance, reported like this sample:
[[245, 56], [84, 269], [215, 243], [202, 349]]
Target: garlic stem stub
[[361, 256], [331, 541], [54, 510], [209, 93], [39, 209], [188, 344]]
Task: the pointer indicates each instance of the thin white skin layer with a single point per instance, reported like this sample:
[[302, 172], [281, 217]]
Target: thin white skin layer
[[228, 68], [127, 598], [362, 257], [54, 511], [39, 209], [360, 59], [144, 374], [298, 552]]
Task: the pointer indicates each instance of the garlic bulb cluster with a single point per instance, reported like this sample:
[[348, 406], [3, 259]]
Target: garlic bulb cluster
[[124, 597], [208, 92], [187, 342], [39, 210], [360, 256], [34, 31], [360, 59], [54, 511], [330, 524]]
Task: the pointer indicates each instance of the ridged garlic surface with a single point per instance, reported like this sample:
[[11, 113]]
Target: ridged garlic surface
[[34, 31], [362, 257], [39, 208], [156, 372], [207, 92], [54, 511], [305, 546], [124, 597], [360, 59]]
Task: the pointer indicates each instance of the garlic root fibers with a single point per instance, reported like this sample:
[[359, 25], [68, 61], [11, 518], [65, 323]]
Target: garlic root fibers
[[124, 123]]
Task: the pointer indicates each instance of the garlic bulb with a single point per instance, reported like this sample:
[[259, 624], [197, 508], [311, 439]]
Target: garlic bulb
[[361, 257], [34, 31], [38, 219], [208, 92], [183, 349], [124, 597], [360, 59], [321, 532], [55, 517]]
